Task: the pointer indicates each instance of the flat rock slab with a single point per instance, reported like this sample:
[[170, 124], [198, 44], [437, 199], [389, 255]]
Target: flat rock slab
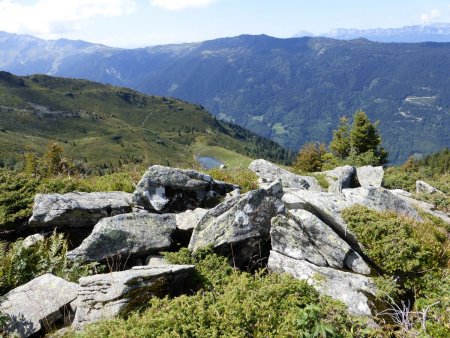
[[240, 227], [128, 236], [369, 176], [347, 287], [37, 304], [187, 220], [380, 199], [269, 172], [107, 295], [78, 209], [165, 189]]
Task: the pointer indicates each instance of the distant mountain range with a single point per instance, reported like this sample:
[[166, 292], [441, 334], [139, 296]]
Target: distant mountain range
[[438, 32], [291, 90]]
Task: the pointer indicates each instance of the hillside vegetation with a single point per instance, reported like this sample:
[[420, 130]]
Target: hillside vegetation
[[291, 90], [106, 127]]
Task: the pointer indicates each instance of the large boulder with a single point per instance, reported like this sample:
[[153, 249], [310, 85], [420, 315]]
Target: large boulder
[[37, 305], [78, 209], [239, 227], [165, 189], [107, 295], [369, 176], [337, 252], [380, 199], [133, 235], [326, 206], [340, 178], [352, 289], [269, 172]]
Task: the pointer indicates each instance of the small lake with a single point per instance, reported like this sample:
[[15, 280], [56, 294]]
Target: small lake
[[208, 162]]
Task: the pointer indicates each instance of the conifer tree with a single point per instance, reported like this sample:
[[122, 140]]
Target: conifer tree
[[364, 135], [340, 145]]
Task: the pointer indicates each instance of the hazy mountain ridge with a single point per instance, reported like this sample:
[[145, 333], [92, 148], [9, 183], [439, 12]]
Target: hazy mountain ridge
[[291, 90], [438, 32]]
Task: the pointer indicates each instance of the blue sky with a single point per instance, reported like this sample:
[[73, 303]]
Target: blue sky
[[138, 23]]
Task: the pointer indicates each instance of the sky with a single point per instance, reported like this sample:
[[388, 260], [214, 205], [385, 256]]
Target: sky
[[140, 23]]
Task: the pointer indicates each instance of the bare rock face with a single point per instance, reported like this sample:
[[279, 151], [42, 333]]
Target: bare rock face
[[269, 172], [164, 189], [107, 295], [369, 176], [239, 227], [37, 305], [380, 199], [128, 236], [78, 209], [340, 178], [352, 289], [188, 220]]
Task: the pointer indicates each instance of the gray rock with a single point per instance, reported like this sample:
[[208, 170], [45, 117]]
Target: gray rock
[[155, 260], [127, 236], [37, 304], [336, 251], [32, 240], [288, 238], [347, 287], [188, 220], [269, 172], [239, 228], [78, 209], [369, 176], [107, 295], [165, 189], [380, 199], [425, 206], [424, 187], [340, 178], [326, 206]]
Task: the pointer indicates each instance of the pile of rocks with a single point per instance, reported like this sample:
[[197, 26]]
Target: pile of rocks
[[290, 224]]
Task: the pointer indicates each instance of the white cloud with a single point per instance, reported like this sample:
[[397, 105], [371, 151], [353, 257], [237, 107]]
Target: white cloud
[[427, 18], [175, 5], [51, 18]]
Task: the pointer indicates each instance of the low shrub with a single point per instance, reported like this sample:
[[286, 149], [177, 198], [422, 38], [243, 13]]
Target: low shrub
[[19, 265], [235, 304], [414, 257], [242, 177]]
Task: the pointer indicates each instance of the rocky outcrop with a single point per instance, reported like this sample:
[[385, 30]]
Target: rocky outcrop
[[107, 295], [78, 209], [369, 176], [425, 206], [127, 236], [239, 227], [424, 187], [165, 189], [340, 178], [38, 305], [336, 251], [352, 289], [380, 199], [269, 172]]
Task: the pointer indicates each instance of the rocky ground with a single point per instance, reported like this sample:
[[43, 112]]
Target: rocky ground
[[291, 225]]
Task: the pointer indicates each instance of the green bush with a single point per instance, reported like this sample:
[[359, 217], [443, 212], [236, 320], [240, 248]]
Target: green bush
[[415, 255], [235, 304], [19, 265]]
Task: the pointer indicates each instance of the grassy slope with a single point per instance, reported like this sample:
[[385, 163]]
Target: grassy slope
[[104, 124]]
